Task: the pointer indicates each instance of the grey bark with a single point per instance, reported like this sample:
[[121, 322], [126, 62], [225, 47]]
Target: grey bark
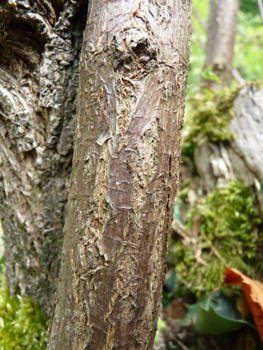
[[133, 74], [241, 158], [40, 44], [221, 39]]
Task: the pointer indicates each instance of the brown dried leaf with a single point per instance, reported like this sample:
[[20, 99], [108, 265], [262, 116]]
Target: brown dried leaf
[[253, 290]]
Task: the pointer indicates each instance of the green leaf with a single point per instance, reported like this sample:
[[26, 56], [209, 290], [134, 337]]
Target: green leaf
[[249, 6], [192, 312], [160, 325], [214, 315], [209, 74], [209, 322], [190, 316]]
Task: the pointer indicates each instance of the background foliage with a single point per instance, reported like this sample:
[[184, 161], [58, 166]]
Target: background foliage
[[228, 216], [248, 46]]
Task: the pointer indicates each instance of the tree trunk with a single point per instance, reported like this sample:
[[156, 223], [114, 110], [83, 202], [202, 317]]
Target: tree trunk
[[133, 74], [40, 45], [221, 39], [217, 163]]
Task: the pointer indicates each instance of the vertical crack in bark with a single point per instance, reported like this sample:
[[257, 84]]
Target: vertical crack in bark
[[170, 165]]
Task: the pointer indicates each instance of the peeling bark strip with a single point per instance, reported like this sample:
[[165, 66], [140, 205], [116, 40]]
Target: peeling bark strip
[[133, 74]]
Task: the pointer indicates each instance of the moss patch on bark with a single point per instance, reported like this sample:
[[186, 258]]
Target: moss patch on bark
[[208, 116]]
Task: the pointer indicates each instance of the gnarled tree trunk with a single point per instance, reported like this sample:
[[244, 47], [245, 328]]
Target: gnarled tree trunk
[[40, 44], [133, 74]]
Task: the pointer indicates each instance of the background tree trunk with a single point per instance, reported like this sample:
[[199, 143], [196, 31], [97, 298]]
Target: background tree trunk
[[40, 44], [221, 39], [241, 158], [220, 162], [125, 173]]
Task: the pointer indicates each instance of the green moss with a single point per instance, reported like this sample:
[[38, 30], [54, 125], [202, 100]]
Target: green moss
[[207, 118], [229, 219], [22, 325]]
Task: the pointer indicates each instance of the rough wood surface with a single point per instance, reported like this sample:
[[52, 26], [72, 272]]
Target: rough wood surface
[[40, 44], [248, 126], [133, 74]]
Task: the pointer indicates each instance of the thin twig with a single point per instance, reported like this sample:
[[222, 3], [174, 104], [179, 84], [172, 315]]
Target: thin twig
[[260, 7], [214, 250]]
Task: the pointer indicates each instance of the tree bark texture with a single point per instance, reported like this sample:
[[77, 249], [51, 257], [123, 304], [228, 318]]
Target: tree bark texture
[[133, 75], [221, 40], [40, 43]]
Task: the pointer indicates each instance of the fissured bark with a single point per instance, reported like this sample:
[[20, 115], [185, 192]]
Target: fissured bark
[[133, 75]]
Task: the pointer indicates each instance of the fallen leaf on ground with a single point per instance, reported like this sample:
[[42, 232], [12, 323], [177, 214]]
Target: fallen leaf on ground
[[253, 290], [216, 314]]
